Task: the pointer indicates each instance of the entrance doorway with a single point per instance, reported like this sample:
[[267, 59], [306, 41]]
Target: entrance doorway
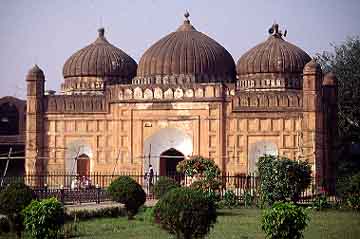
[[83, 165], [168, 161]]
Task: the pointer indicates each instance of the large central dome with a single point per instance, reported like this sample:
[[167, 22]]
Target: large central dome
[[185, 56]]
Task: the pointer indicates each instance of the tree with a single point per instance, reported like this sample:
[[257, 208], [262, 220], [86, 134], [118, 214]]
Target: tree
[[282, 179], [344, 62]]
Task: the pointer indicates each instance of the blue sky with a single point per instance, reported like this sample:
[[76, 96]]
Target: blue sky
[[47, 32]]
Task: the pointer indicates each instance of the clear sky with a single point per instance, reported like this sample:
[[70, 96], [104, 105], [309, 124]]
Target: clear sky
[[47, 32]]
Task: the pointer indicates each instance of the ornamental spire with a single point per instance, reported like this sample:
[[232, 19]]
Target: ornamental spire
[[274, 31]]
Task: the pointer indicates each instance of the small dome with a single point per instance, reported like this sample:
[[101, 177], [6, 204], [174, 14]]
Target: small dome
[[275, 55], [312, 67], [273, 64], [35, 72], [101, 59], [184, 56]]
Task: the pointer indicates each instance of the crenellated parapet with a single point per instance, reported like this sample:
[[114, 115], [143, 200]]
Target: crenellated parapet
[[75, 104], [154, 92], [267, 101]]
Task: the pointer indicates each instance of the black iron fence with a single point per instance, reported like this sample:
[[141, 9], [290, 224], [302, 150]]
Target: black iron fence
[[72, 188]]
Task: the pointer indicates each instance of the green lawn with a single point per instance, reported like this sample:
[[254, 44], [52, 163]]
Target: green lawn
[[237, 223]]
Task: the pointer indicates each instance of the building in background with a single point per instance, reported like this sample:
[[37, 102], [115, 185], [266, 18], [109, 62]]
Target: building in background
[[12, 136], [186, 97]]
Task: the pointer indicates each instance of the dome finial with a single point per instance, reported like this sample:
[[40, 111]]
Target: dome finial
[[101, 32], [187, 15], [275, 31]]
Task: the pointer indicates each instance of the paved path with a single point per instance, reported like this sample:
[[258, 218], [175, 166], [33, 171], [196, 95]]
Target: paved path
[[94, 206]]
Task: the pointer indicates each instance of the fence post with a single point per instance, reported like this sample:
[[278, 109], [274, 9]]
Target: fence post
[[97, 194], [45, 190], [62, 196]]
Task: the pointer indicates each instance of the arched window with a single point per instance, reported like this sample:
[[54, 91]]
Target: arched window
[[259, 149], [9, 119]]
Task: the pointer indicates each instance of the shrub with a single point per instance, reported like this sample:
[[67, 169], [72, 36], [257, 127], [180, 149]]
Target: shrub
[[204, 170], [127, 191], [13, 199], [248, 199], [185, 212], [212, 195], [163, 185], [207, 184], [284, 221], [349, 189], [43, 219], [282, 179], [353, 201], [230, 199], [198, 166], [321, 203], [4, 225], [148, 214]]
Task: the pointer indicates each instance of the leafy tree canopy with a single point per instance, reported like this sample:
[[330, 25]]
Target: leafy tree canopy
[[344, 62]]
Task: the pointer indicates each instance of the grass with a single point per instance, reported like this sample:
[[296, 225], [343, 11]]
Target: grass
[[237, 223]]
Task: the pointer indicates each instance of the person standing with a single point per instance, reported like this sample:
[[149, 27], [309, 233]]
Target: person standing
[[151, 175]]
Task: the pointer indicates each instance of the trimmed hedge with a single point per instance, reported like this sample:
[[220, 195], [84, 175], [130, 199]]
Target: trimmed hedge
[[127, 191], [185, 212], [284, 221]]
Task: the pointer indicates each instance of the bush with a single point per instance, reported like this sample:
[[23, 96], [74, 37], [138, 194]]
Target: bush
[[353, 201], [43, 219], [248, 199], [163, 185], [230, 199], [321, 203], [205, 172], [284, 221], [148, 215], [282, 179], [4, 225], [13, 199], [349, 189], [127, 191], [185, 212], [198, 166]]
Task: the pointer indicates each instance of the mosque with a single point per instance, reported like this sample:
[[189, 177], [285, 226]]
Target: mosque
[[185, 97]]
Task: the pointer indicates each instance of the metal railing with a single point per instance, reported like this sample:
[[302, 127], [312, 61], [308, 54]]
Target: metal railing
[[72, 188]]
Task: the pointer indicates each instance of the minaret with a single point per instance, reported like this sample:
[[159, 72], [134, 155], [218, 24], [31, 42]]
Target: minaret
[[34, 120], [312, 124], [329, 90]]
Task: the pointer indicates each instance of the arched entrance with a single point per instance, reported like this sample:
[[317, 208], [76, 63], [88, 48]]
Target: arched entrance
[[83, 165], [168, 161], [164, 142]]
